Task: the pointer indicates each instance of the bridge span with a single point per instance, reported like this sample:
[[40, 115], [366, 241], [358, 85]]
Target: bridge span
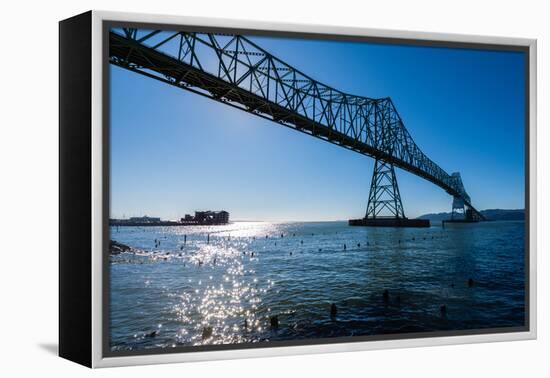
[[236, 71]]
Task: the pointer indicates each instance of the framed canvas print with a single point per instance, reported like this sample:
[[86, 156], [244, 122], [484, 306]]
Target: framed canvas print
[[233, 189]]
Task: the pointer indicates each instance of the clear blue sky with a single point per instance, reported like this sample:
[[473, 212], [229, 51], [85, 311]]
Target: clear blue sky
[[174, 152]]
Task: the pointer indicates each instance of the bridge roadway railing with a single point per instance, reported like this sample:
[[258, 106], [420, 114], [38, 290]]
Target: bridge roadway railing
[[236, 71]]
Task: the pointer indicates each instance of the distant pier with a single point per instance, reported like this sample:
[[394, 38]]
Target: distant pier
[[201, 218]]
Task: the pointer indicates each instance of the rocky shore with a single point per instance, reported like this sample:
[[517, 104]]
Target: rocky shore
[[116, 248]]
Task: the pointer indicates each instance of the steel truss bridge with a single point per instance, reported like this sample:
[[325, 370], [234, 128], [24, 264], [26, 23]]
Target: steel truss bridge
[[235, 71]]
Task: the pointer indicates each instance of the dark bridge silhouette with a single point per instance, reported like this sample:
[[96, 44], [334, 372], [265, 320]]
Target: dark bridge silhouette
[[237, 72]]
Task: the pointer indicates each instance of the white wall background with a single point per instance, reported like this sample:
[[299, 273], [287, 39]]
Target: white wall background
[[28, 162]]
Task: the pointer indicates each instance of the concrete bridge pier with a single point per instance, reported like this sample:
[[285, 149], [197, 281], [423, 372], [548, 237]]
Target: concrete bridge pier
[[461, 213]]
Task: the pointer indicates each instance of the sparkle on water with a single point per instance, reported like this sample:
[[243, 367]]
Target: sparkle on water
[[223, 284]]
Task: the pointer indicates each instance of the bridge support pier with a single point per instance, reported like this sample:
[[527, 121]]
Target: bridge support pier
[[385, 208], [461, 213]]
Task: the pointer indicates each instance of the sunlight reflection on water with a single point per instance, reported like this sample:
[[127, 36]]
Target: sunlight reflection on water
[[226, 283]]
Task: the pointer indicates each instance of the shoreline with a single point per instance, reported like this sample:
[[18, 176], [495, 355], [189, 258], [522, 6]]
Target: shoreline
[[176, 224], [163, 223]]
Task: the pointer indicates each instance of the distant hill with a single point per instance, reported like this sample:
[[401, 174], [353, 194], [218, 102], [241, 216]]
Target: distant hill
[[490, 214]]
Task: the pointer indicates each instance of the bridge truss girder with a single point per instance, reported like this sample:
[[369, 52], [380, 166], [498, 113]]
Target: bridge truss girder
[[233, 70]]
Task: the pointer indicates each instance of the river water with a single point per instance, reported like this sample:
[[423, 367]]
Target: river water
[[224, 284]]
